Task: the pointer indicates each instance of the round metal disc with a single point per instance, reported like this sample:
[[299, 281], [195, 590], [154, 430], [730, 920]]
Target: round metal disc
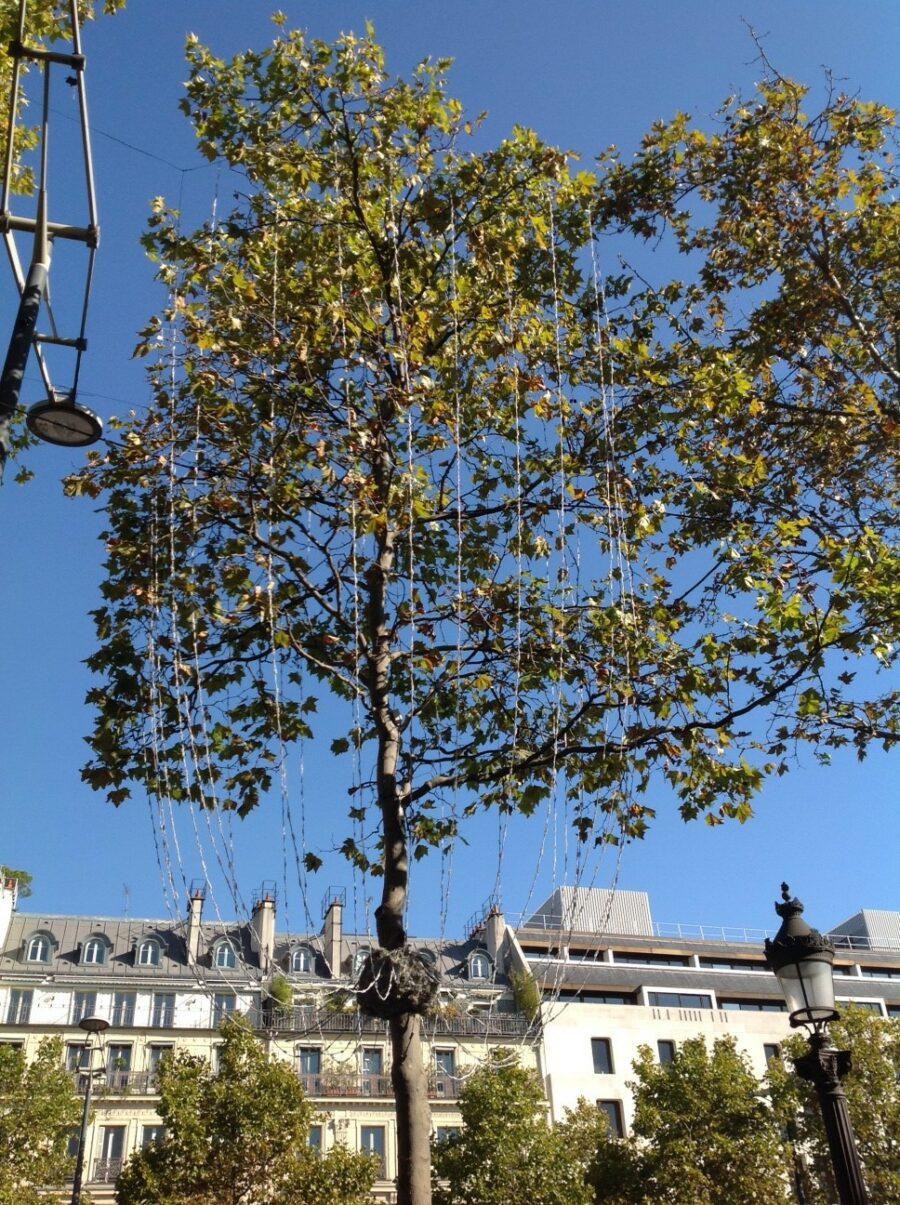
[[64, 423]]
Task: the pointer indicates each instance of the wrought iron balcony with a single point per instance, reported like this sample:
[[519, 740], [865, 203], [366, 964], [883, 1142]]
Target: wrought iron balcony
[[322, 1020], [106, 1171], [117, 1083]]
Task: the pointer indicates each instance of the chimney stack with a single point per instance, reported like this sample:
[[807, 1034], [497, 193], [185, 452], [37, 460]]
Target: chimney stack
[[332, 931], [196, 896], [494, 935], [262, 926]]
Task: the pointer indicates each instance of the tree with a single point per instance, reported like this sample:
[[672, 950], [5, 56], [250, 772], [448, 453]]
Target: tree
[[239, 1137], [873, 1101], [22, 878], [406, 447], [702, 1135], [38, 1111], [507, 1152]]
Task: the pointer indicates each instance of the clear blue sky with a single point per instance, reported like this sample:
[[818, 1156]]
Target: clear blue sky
[[583, 74]]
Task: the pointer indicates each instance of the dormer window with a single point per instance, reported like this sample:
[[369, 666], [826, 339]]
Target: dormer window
[[301, 961], [38, 949], [225, 957], [359, 959], [93, 952], [148, 953], [479, 966]]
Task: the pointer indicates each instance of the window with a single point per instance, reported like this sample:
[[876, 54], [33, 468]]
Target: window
[[225, 956], [301, 961], [309, 1068], [112, 1150], [93, 952], [893, 1010], [359, 959], [592, 997], [479, 966], [123, 1009], [78, 1056], [152, 1136], [445, 1062], [113, 1142], [443, 1134], [665, 1050], [371, 1140], [19, 1010], [880, 972], [224, 1005], [148, 953], [72, 1143], [155, 1055], [118, 1063], [771, 1050], [372, 1060], [733, 964], [12, 1045], [163, 1013], [613, 1111], [753, 1006], [314, 1139], [651, 960], [869, 1006], [38, 949], [84, 1004], [678, 1000], [601, 1052]]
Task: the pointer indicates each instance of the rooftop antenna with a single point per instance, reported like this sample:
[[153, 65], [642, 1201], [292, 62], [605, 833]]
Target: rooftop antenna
[[59, 419]]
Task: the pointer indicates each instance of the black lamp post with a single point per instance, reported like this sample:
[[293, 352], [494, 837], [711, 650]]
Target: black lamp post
[[91, 1026], [802, 960]]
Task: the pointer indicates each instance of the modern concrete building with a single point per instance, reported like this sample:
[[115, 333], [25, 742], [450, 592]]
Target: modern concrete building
[[613, 980]]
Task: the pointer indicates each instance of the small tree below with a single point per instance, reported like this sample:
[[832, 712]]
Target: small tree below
[[507, 1153], [873, 1101], [239, 1137], [38, 1109], [702, 1135]]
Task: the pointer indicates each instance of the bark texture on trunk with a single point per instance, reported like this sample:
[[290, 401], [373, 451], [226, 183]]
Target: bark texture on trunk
[[410, 1082], [409, 1076]]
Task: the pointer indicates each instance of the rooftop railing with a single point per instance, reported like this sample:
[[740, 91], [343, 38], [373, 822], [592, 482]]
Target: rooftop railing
[[676, 931]]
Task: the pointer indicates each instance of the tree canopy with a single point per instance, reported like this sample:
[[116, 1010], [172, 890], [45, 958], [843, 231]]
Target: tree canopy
[[239, 1136], [702, 1135], [507, 1152], [873, 1100], [526, 520], [22, 877], [400, 418], [38, 1111]]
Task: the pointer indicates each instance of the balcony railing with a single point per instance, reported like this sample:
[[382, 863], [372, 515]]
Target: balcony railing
[[311, 1020], [106, 1171], [349, 1084], [117, 1083]]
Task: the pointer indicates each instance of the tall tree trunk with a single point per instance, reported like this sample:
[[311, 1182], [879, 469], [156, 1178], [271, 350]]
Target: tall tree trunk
[[410, 1082], [408, 1073]]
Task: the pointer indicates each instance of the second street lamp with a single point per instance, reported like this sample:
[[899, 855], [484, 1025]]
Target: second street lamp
[[92, 1026], [802, 960]]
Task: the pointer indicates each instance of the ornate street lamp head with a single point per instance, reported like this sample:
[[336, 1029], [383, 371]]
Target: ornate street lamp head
[[802, 960]]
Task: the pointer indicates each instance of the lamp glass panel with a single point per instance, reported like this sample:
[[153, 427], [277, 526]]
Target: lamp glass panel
[[808, 988]]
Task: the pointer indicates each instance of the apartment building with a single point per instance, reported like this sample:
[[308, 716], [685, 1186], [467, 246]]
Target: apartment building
[[164, 987], [610, 977]]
